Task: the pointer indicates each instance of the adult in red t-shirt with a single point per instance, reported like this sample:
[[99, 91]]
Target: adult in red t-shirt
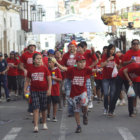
[[12, 72], [26, 60], [109, 61]]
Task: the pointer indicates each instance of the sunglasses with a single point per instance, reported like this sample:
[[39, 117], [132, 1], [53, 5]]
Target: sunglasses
[[135, 43]]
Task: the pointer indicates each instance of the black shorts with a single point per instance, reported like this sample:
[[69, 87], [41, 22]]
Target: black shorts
[[98, 84], [53, 99], [12, 82], [39, 100], [136, 86]]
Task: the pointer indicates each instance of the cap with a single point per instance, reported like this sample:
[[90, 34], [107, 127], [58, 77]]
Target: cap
[[73, 42], [1, 54], [31, 42], [51, 51], [12, 52], [80, 57]]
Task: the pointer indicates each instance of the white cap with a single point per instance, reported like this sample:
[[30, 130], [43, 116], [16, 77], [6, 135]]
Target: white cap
[[118, 50], [31, 42]]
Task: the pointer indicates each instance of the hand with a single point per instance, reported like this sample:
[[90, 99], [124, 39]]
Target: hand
[[53, 60], [48, 92], [110, 58], [130, 83], [132, 60], [3, 73]]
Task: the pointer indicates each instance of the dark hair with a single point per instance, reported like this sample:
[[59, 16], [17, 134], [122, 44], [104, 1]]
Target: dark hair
[[83, 43], [80, 45], [98, 52], [135, 40], [109, 48], [105, 47], [34, 56]]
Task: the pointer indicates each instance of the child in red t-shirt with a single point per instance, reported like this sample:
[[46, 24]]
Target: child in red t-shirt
[[38, 77], [55, 91], [78, 76]]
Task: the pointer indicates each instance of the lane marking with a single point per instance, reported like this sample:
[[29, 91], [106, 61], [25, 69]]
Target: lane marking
[[125, 133], [12, 133], [63, 125]]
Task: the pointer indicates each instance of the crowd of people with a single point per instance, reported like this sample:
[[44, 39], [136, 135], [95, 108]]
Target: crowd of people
[[73, 78]]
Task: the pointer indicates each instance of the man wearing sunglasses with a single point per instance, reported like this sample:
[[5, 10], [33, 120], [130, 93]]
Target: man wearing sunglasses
[[133, 56]]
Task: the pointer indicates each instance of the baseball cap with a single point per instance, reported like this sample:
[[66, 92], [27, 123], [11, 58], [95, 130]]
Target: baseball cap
[[51, 51], [31, 42], [1, 54], [80, 57]]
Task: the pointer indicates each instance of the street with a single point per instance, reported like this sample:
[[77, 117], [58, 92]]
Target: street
[[16, 124]]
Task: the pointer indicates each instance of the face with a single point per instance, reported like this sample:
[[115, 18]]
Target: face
[[50, 55], [80, 50], [31, 48], [135, 45], [112, 50], [57, 54], [73, 48], [81, 64], [51, 64], [12, 55], [104, 51], [38, 60]]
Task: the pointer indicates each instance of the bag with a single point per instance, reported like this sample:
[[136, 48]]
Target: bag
[[131, 92], [114, 72]]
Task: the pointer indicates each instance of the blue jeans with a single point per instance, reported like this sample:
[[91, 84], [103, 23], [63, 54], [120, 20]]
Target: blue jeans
[[67, 85], [3, 81], [109, 90]]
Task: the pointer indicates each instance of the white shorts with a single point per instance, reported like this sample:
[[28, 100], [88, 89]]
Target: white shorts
[[79, 101]]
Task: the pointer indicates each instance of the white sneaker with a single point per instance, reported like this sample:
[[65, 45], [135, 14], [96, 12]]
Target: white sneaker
[[105, 112], [90, 105], [118, 102], [45, 126], [36, 129], [54, 119]]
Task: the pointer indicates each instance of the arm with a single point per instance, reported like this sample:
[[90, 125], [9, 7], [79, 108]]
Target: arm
[[103, 64], [94, 63], [56, 79], [125, 71], [49, 85], [21, 66], [128, 62], [27, 83]]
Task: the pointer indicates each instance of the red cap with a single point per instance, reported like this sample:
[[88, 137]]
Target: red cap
[[73, 42], [80, 57]]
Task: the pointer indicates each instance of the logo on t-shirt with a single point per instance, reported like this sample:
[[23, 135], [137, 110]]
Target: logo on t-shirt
[[71, 62], [78, 81], [38, 76], [30, 61], [133, 75], [110, 64], [137, 59]]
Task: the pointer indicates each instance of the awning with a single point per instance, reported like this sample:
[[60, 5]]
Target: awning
[[62, 27]]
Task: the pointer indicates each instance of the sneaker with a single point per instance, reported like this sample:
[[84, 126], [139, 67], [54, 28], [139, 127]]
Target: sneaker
[[122, 102], [105, 111], [45, 126], [118, 102], [90, 105], [78, 129], [110, 114], [48, 118], [132, 115], [36, 129], [54, 119], [85, 119], [8, 99]]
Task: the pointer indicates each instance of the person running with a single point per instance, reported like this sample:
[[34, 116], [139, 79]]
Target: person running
[[78, 76], [108, 62], [3, 77], [38, 77], [55, 91]]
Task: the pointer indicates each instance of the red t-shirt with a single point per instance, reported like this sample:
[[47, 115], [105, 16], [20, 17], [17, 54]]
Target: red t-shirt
[[45, 60], [78, 80], [19, 71], [128, 56], [55, 91], [27, 59], [38, 76], [107, 70], [68, 60], [12, 70], [90, 58], [99, 75], [133, 71]]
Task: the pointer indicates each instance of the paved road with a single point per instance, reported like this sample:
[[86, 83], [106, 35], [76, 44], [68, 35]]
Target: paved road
[[16, 124]]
